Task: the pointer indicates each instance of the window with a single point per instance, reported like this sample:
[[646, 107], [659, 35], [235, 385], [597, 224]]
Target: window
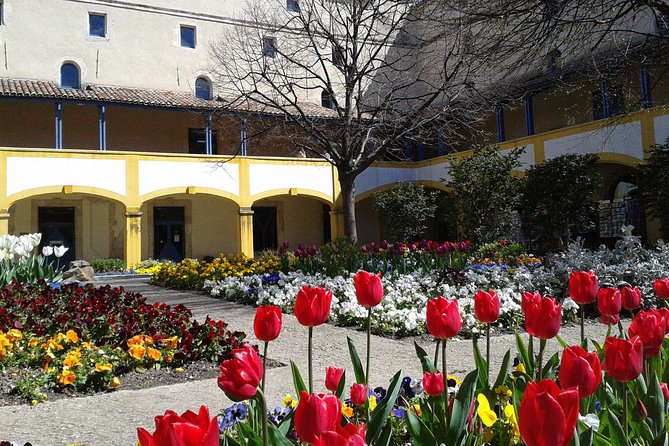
[[187, 36], [269, 47], [2, 13], [197, 141], [97, 25], [337, 56], [69, 76], [292, 6], [616, 103], [203, 88], [326, 100]]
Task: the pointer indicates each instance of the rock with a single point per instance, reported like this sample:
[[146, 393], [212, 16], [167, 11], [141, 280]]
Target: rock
[[78, 264], [79, 274]]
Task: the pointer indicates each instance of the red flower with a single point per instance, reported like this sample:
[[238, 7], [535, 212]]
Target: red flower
[[241, 375], [661, 287], [358, 394], [623, 359], [486, 306], [650, 327], [609, 301], [316, 414], [368, 288], [349, 435], [630, 298], [332, 378], [664, 313], [542, 315], [188, 428], [312, 306], [608, 320], [443, 317], [267, 323], [433, 383], [548, 415], [580, 368], [583, 287], [665, 390]]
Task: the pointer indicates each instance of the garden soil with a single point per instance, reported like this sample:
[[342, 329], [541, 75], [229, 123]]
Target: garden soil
[[112, 418]]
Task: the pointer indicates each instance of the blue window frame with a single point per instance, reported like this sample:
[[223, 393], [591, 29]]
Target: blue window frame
[[97, 25], [69, 76], [2, 13], [187, 36], [292, 5], [203, 88], [269, 47]]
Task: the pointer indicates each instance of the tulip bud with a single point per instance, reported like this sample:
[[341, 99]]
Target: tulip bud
[[333, 376], [661, 288], [433, 383], [358, 394]]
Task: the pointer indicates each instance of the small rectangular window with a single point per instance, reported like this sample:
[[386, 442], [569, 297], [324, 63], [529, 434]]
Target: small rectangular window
[[97, 25], [188, 36], [197, 141], [2, 13], [269, 47], [292, 6]]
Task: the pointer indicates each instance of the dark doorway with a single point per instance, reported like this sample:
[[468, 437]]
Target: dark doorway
[[327, 225], [169, 233], [264, 228], [56, 224]]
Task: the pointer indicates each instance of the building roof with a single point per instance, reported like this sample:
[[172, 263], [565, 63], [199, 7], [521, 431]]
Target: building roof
[[24, 88]]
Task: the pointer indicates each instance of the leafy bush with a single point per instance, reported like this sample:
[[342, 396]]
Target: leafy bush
[[485, 193], [653, 181], [107, 265], [404, 211]]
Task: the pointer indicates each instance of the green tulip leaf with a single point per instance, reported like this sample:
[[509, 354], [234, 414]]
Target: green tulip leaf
[[341, 386], [524, 355], [550, 366], [287, 423], [382, 411], [655, 405], [561, 341], [298, 382], [504, 370], [276, 437], [660, 440], [425, 360], [461, 408], [420, 433], [231, 441], [616, 430], [355, 360], [248, 434], [481, 365], [586, 438], [386, 437], [601, 440]]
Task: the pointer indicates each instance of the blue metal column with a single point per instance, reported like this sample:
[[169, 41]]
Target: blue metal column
[[501, 135], [242, 137], [606, 100], [646, 98], [102, 126], [59, 125], [529, 115], [208, 135]]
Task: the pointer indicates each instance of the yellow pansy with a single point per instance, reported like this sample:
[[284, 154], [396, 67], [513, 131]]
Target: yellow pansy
[[347, 411], [289, 401], [33, 342], [520, 368], [171, 343], [87, 345], [14, 335], [372, 402], [454, 378], [137, 351], [510, 414], [103, 367], [487, 416], [504, 393], [72, 336], [66, 377], [417, 410], [154, 354], [72, 360], [114, 383]]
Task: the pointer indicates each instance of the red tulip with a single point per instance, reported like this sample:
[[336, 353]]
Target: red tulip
[[542, 316], [316, 414], [623, 359], [486, 306], [443, 317], [608, 320], [664, 313], [368, 288], [609, 301], [358, 394], [332, 378], [580, 368], [630, 298], [349, 435], [665, 390], [189, 429], [241, 375], [650, 327], [312, 306], [547, 415], [583, 287], [661, 287], [267, 323], [433, 383]]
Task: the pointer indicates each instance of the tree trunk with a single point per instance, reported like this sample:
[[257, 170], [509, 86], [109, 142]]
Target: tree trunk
[[347, 183]]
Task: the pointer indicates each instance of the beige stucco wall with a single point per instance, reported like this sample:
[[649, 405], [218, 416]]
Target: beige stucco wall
[[99, 223], [367, 221], [298, 219]]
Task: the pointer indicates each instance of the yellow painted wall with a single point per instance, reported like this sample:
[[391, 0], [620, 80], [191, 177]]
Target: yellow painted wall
[[514, 120], [563, 107], [367, 221], [27, 124], [299, 219]]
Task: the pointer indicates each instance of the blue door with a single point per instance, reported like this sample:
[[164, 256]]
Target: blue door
[[169, 235], [56, 224]]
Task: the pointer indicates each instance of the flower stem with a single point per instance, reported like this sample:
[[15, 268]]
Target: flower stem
[[261, 398], [487, 349], [443, 370], [542, 347], [583, 342], [369, 342], [625, 413], [311, 370], [264, 367], [436, 353]]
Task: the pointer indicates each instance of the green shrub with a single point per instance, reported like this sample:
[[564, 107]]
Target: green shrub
[[404, 211], [107, 265]]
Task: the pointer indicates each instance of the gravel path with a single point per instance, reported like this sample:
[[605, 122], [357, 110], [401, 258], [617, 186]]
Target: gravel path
[[112, 418]]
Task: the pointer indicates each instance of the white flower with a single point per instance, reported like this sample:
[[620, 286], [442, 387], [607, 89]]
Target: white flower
[[47, 251], [59, 251]]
